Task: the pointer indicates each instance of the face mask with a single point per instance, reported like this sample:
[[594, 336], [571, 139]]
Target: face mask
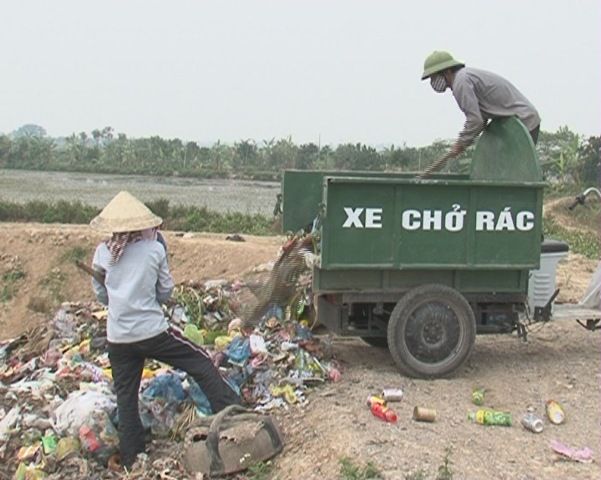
[[438, 83]]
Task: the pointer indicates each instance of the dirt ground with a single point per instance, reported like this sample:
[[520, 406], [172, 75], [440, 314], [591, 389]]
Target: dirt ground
[[560, 361]]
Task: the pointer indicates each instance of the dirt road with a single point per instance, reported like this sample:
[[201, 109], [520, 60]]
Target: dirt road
[[560, 361]]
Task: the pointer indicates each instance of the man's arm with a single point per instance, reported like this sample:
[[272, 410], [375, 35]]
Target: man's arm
[[466, 98], [97, 285], [164, 281]]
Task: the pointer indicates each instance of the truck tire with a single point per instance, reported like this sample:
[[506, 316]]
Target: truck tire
[[431, 331], [380, 342]]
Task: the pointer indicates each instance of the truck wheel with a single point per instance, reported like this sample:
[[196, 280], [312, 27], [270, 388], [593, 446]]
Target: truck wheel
[[381, 342], [431, 331]]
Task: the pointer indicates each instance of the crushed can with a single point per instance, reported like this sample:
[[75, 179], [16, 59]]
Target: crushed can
[[555, 412], [532, 422], [478, 396], [392, 394]]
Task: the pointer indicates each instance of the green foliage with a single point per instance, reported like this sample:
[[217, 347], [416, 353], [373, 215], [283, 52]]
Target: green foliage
[[589, 166], [350, 471], [182, 218], [61, 211], [564, 155], [260, 471], [52, 283], [8, 285], [444, 470], [580, 241]]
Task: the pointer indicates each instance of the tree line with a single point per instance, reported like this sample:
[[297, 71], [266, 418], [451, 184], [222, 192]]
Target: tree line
[[565, 156]]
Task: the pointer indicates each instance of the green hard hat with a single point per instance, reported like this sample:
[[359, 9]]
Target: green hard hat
[[438, 61]]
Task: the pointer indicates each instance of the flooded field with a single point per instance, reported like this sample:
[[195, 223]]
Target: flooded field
[[97, 189]]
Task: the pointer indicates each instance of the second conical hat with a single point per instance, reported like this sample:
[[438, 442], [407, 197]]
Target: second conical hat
[[125, 213]]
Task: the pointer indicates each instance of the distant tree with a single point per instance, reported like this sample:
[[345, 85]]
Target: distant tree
[[29, 130], [191, 154], [30, 152], [5, 144], [589, 164], [307, 156], [558, 153], [96, 135], [107, 134], [245, 154], [283, 155]]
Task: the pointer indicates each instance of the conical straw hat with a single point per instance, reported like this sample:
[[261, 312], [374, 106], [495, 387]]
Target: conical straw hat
[[125, 213]]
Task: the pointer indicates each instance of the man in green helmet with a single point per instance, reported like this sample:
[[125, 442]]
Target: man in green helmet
[[481, 96]]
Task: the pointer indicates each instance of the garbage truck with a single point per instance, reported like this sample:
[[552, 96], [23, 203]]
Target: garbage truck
[[422, 265]]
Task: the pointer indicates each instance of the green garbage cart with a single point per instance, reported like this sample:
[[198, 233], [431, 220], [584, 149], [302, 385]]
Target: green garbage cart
[[422, 265]]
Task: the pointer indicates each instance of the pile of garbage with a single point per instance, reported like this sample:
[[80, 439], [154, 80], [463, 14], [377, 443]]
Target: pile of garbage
[[58, 411]]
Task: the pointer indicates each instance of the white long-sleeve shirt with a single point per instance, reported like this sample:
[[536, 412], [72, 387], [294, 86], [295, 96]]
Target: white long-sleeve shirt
[[483, 95], [134, 289]]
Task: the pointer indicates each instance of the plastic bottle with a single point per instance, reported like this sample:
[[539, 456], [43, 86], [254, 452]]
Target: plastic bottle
[[373, 399], [383, 412], [490, 417]]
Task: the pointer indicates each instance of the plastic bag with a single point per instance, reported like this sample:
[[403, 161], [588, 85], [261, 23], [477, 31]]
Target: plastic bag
[[160, 401], [76, 410], [198, 397], [98, 436], [238, 350]]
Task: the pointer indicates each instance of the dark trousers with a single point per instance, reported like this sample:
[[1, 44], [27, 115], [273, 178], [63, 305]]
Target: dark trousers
[[172, 348], [534, 133]]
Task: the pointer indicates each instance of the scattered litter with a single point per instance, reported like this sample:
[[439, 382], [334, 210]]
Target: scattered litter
[[532, 422], [383, 412], [58, 415], [555, 412], [582, 455], [8, 422], [478, 396], [421, 414], [490, 417], [392, 394], [79, 407]]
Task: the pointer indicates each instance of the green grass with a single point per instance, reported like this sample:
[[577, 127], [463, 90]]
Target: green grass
[[260, 471], [444, 470], [350, 471], [53, 283], [583, 242], [179, 217], [8, 285]]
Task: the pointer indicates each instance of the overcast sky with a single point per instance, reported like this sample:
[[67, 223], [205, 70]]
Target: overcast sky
[[341, 69]]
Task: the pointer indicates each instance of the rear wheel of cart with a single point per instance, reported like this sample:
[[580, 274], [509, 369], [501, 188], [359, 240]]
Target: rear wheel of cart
[[431, 331]]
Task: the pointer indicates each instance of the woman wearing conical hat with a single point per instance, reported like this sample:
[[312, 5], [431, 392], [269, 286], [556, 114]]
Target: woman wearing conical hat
[[137, 281]]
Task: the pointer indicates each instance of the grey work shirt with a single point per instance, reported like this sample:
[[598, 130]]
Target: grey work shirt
[[483, 95], [133, 289]]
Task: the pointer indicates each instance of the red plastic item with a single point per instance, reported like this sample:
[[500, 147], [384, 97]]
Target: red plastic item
[[88, 438], [383, 412]]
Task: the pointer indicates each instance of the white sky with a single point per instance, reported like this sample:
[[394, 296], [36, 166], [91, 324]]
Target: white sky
[[347, 70]]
